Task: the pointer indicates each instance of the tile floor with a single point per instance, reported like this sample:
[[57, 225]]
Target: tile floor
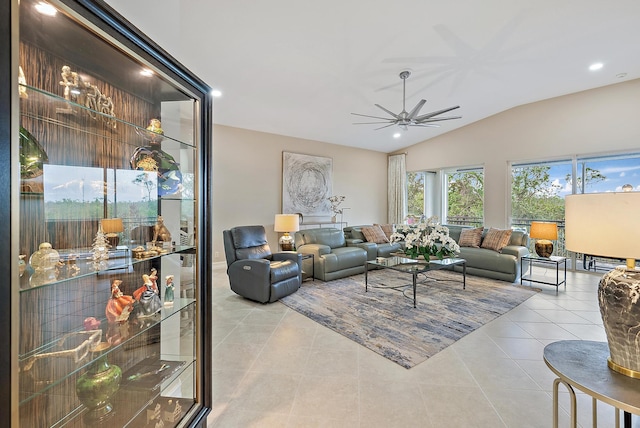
[[273, 367]]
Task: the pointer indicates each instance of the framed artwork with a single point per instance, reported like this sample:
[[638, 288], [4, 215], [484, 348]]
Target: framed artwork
[[306, 184]]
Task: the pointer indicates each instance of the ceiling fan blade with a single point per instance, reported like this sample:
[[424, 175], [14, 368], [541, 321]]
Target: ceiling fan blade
[[435, 113], [373, 123], [374, 117], [433, 125], [386, 126], [416, 109], [384, 109], [438, 119]]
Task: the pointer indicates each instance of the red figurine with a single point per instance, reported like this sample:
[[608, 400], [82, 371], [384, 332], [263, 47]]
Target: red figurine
[[119, 306]]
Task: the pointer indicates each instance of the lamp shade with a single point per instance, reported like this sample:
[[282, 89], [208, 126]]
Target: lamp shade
[[542, 230], [606, 224], [112, 225], [603, 224], [287, 223]]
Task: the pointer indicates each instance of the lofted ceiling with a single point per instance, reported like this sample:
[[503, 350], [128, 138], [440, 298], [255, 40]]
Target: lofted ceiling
[[300, 68]]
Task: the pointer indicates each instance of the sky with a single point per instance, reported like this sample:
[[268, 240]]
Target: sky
[[617, 172], [86, 184]]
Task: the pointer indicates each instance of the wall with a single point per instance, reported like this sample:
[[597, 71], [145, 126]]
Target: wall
[[248, 180], [602, 120]]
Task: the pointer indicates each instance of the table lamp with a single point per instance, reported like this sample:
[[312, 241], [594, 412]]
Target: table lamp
[[544, 233], [606, 225], [286, 223], [111, 228]]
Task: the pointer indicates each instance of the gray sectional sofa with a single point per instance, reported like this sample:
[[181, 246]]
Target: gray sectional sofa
[[503, 265]]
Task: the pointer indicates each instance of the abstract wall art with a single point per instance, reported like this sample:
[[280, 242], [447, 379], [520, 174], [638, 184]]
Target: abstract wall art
[[306, 184]]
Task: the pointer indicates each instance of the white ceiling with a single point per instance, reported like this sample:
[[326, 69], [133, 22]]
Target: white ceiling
[[299, 68]]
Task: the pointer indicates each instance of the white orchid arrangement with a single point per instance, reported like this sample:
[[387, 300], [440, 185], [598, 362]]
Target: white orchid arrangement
[[335, 202], [426, 239]]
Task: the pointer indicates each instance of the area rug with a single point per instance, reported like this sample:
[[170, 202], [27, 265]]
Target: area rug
[[385, 321]]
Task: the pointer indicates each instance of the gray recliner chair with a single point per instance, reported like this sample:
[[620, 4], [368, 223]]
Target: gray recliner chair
[[254, 272]]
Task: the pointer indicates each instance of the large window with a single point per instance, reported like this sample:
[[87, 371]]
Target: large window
[[415, 196], [464, 196], [538, 190], [537, 194]]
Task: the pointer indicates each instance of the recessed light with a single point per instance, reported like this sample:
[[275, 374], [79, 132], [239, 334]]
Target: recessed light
[[621, 75], [397, 135], [596, 66], [216, 93], [46, 9], [146, 72]]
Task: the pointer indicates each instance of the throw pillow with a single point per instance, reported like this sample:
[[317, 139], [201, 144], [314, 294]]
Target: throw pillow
[[374, 234], [387, 229], [496, 239], [471, 237]]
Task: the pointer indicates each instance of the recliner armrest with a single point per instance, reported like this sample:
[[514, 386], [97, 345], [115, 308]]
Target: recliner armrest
[[353, 242], [252, 267], [289, 255]]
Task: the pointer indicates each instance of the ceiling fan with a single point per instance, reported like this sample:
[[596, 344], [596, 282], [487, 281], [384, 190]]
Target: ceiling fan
[[403, 119]]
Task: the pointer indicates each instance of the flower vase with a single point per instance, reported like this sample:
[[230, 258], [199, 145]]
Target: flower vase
[[97, 385], [334, 219]]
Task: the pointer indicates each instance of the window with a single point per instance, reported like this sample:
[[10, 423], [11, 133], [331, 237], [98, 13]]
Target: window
[[415, 196], [608, 174], [537, 194], [464, 197]]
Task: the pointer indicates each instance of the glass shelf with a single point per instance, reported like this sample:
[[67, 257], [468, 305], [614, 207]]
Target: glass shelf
[[86, 267], [67, 112], [141, 326]]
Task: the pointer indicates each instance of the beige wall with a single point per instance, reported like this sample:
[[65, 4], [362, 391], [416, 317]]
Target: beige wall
[[603, 120], [248, 180]]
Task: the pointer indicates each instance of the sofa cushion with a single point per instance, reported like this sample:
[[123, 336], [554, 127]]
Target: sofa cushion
[[496, 239], [471, 237], [387, 229], [374, 234]]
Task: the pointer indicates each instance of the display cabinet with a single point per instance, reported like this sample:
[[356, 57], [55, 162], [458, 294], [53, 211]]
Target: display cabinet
[[105, 229]]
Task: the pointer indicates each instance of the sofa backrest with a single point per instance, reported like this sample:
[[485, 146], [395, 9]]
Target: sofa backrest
[[518, 237], [355, 232], [330, 236]]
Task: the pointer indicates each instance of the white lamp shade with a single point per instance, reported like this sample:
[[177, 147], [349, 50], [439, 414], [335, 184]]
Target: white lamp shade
[[603, 224], [543, 230], [287, 223]]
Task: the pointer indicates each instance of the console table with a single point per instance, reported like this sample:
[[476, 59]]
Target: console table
[[582, 364]]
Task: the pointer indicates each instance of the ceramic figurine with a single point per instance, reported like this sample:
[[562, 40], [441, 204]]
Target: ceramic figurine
[[150, 303], [168, 292], [119, 306], [153, 276]]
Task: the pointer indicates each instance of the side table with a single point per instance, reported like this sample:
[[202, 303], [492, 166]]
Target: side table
[[582, 364], [553, 260], [313, 266]]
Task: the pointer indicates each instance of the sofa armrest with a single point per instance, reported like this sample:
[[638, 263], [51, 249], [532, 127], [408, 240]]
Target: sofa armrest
[[515, 250], [370, 247], [316, 249], [353, 242]]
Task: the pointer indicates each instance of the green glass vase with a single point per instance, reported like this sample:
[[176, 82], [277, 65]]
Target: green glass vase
[[98, 384]]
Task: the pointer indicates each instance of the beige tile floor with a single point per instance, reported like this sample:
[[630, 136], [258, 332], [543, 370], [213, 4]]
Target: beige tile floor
[[273, 367]]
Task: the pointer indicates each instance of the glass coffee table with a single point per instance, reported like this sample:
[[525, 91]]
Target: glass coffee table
[[415, 268]]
